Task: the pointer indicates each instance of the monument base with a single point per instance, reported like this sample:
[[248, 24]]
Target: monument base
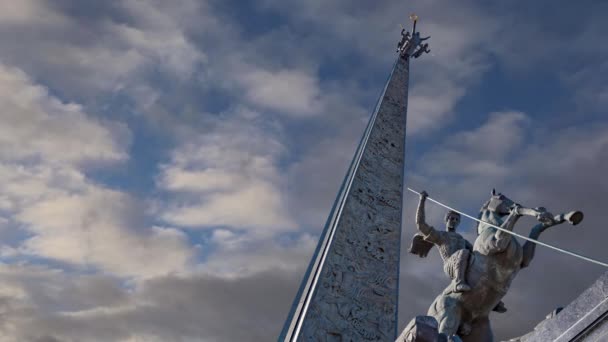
[[423, 329], [585, 319]]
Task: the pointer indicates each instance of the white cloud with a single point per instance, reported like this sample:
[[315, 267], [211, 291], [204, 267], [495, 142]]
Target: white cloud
[[480, 152], [426, 110], [589, 89], [291, 92], [256, 206], [26, 12], [42, 304], [45, 144], [163, 45], [37, 125], [244, 255], [104, 55], [227, 177], [96, 229]]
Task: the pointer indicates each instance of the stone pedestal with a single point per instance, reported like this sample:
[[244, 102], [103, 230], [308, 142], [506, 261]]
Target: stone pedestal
[[420, 329], [585, 319]]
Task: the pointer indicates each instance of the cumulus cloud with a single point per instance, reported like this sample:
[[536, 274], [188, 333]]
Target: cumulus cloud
[[590, 91], [227, 177], [41, 304], [160, 38], [96, 229], [98, 54], [38, 125], [287, 91], [46, 147], [483, 151], [241, 256], [27, 12]]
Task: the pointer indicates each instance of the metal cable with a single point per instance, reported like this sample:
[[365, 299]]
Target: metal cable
[[518, 235]]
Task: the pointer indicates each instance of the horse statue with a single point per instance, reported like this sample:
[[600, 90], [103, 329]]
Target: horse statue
[[493, 264]]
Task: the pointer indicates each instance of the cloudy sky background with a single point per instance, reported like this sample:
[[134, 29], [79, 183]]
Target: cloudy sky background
[[166, 167]]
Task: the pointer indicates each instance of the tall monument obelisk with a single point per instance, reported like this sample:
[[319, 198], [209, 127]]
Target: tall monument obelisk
[[350, 290]]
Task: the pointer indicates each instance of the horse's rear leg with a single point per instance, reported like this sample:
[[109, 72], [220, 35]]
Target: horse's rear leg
[[446, 311]]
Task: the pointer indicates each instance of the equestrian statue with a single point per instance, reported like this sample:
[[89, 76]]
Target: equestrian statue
[[481, 273]]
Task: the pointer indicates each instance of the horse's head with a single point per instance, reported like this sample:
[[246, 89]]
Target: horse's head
[[499, 204], [494, 210]]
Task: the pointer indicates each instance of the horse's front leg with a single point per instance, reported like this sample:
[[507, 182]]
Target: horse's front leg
[[509, 222], [501, 238], [530, 247]]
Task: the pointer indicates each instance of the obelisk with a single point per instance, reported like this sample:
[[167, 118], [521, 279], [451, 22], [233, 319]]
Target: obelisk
[[350, 289]]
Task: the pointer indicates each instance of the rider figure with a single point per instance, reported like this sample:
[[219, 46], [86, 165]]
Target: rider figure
[[453, 248]]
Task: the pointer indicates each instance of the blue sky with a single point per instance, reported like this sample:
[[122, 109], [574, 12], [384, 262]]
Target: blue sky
[[167, 167]]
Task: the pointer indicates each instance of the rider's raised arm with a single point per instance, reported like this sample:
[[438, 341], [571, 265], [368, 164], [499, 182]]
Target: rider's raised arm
[[429, 232]]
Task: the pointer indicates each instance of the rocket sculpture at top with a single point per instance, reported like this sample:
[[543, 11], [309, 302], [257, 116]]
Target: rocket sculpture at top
[[350, 289]]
